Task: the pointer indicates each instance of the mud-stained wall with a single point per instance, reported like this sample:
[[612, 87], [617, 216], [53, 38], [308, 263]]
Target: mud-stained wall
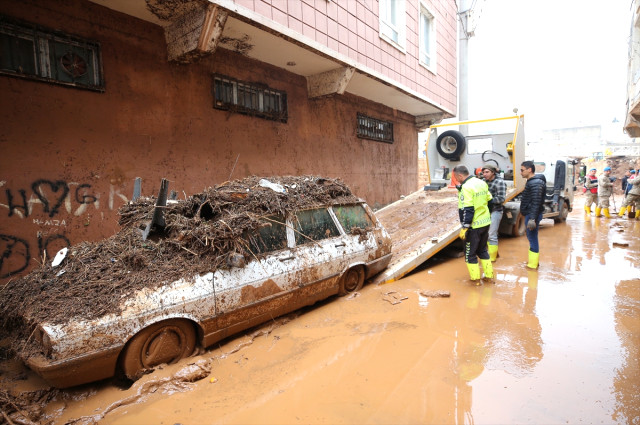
[[70, 156]]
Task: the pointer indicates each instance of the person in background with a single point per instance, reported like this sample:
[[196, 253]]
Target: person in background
[[591, 190], [531, 207], [631, 177], [624, 179], [473, 209], [498, 190], [605, 190], [633, 197]]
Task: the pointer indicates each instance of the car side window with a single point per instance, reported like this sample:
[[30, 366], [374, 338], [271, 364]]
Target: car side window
[[351, 216], [271, 236], [314, 225]]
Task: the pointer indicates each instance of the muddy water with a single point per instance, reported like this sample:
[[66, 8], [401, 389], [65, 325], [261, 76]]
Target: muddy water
[[557, 345]]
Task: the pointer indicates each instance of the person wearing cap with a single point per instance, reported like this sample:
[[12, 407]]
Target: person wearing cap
[[632, 175], [591, 190], [633, 198], [605, 190], [473, 197], [623, 180], [498, 190]]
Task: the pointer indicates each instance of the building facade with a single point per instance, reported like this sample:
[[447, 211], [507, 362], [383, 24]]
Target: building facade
[[98, 93]]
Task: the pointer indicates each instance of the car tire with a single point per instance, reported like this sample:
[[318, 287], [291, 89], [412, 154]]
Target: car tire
[[563, 213], [519, 226], [451, 144], [352, 280], [163, 342]]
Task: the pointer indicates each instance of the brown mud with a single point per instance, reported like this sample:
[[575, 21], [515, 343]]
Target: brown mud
[[556, 345]]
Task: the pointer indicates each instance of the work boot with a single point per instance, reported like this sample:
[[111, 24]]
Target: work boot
[[534, 257], [493, 252], [474, 273], [598, 209], [605, 212], [587, 210], [622, 211], [487, 268]]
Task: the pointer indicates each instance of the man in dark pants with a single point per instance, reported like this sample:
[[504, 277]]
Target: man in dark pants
[[473, 197], [531, 207]]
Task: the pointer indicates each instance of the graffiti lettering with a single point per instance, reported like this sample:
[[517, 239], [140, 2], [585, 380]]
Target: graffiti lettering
[[12, 206], [49, 222], [53, 195], [14, 255], [55, 186]]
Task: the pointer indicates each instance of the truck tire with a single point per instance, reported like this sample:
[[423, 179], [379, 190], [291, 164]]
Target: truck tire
[[451, 144], [563, 212], [518, 227]]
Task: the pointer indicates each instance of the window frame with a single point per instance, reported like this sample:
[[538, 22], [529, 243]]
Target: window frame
[[386, 24], [247, 98], [44, 42], [378, 135], [430, 48]]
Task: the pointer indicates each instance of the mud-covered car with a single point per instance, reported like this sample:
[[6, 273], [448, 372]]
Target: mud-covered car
[[244, 253]]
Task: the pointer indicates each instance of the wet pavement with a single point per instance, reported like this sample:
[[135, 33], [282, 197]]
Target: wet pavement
[[557, 345]]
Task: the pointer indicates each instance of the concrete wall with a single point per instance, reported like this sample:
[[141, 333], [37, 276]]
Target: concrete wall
[[69, 156], [351, 28]]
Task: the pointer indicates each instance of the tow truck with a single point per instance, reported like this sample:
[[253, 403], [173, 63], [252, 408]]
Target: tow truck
[[426, 221]]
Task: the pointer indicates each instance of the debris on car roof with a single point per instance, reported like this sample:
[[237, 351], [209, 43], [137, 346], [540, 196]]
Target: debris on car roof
[[93, 277]]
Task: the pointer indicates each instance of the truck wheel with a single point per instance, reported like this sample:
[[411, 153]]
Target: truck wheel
[[352, 280], [519, 226], [451, 144], [163, 342], [562, 213]]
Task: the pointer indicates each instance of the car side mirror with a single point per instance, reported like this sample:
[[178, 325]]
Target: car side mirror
[[235, 260]]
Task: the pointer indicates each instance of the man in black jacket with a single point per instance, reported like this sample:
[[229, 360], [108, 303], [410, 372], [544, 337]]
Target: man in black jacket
[[531, 207]]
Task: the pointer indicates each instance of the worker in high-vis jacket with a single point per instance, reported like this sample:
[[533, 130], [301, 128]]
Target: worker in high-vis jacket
[[475, 218], [590, 190]]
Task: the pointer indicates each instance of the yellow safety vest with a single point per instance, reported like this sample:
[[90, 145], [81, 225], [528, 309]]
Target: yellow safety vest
[[475, 193]]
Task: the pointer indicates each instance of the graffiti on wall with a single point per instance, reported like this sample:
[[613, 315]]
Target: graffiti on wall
[[57, 200]]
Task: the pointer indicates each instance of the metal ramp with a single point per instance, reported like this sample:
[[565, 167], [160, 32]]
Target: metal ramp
[[420, 225]]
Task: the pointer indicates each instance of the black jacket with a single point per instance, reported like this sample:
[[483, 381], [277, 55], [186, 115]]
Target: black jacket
[[532, 200]]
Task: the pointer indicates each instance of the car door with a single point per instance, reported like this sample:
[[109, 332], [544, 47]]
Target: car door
[[246, 293]]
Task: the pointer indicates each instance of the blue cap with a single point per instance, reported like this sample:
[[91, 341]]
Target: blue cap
[[632, 171], [607, 168], [592, 169]]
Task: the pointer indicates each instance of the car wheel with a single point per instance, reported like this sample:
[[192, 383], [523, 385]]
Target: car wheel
[[352, 280], [451, 144], [519, 226], [163, 342]]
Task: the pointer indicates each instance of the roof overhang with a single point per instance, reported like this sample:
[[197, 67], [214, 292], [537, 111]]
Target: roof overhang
[[327, 71]]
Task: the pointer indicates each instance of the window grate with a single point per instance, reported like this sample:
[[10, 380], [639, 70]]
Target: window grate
[[374, 129], [250, 99], [28, 51]]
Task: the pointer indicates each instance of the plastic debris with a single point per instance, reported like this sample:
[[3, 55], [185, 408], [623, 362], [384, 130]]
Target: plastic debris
[[273, 186], [59, 257]]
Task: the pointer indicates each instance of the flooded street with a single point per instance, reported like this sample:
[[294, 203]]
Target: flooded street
[[557, 345]]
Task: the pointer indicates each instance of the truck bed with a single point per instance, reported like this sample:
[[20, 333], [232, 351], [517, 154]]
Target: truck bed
[[420, 225]]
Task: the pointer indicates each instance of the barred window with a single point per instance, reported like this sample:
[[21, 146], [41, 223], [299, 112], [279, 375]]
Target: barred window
[[249, 98], [28, 51], [374, 129]]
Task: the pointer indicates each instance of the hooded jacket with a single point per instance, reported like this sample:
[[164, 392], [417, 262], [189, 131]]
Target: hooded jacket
[[532, 200]]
